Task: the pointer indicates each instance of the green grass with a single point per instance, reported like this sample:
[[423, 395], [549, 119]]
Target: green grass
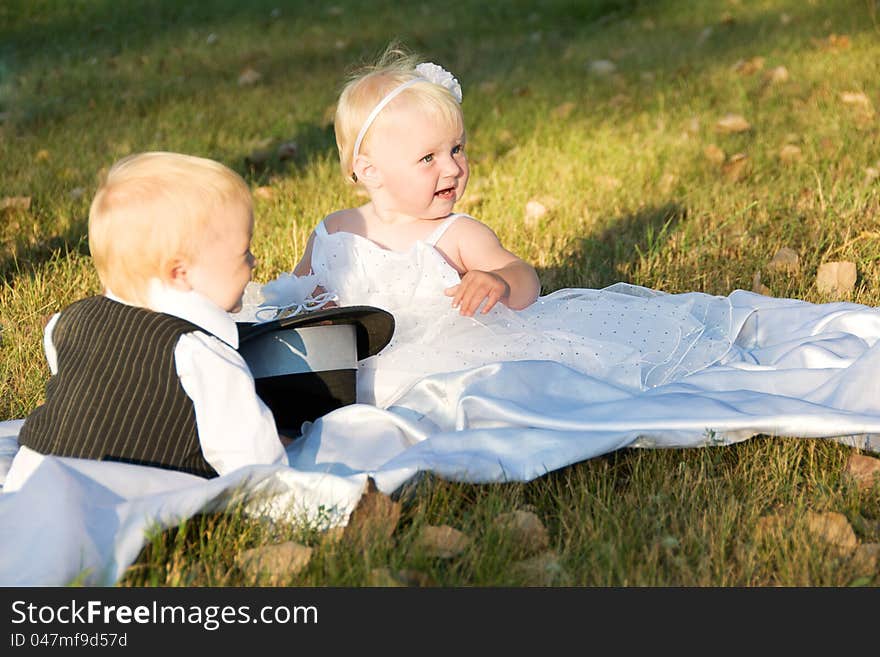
[[619, 160]]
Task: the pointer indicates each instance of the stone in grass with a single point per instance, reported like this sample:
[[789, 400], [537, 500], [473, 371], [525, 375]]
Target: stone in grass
[[864, 469], [770, 525], [471, 201], [287, 150], [374, 518], [786, 260], [602, 67], [777, 75], [442, 541], [259, 158], [535, 211], [749, 66], [732, 123], [384, 577], [543, 569], [412, 577], [789, 154], [714, 154], [758, 287], [736, 168], [276, 563], [264, 192], [836, 278], [525, 530], [564, 110], [866, 558], [248, 77], [15, 203], [833, 528]]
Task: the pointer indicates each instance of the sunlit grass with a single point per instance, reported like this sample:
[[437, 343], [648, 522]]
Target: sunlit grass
[[617, 159]]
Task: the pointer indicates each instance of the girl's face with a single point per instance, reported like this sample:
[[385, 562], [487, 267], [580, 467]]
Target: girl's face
[[422, 166], [224, 263]]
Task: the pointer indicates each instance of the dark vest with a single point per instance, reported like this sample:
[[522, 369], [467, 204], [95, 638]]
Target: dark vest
[[117, 396]]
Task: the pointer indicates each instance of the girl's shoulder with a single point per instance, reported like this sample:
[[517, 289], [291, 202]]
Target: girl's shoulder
[[465, 224], [349, 220]]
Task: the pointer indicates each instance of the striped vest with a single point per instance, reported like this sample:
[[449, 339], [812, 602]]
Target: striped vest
[[117, 396]]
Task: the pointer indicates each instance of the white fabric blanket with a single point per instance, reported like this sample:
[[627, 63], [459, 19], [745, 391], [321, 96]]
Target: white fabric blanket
[[807, 371]]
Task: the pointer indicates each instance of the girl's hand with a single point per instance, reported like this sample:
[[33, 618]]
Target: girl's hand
[[475, 287]]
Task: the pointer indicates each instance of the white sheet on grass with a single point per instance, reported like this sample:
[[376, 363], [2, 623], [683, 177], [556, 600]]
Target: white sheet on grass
[[815, 376]]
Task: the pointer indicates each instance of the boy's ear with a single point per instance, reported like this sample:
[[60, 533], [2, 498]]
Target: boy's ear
[[175, 274], [365, 171]]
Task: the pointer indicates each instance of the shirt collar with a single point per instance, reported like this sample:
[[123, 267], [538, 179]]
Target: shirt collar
[[191, 306]]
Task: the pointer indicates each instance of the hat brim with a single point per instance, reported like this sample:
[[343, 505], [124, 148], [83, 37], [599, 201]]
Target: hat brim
[[374, 326]]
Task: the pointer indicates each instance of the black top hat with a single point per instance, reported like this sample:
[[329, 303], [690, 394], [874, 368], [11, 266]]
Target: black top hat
[[305, 365], [374, 326]]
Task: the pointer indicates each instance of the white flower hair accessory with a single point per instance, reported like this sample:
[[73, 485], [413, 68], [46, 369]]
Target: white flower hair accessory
[[439, 75], [426, 71]]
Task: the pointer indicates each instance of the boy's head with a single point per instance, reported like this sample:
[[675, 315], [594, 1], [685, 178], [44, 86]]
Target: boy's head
[[182, 220], [367, 89]]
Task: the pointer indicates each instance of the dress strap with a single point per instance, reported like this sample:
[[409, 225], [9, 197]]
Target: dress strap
[[434, 237], [321, 229]]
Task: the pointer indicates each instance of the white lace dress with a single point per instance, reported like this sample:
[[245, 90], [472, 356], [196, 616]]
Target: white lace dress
[[629, 335]]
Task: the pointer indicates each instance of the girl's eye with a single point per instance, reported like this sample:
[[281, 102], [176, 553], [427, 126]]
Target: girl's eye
[[458, 149], [428, 158]]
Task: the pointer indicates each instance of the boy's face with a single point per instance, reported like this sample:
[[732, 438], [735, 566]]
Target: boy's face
[[224, 262]]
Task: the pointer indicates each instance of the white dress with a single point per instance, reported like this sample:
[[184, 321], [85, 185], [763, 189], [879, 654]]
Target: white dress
[[632, 336]]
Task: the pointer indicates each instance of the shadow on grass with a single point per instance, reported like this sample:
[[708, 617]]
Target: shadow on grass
[[308, 143], [330, 39], [21, 256], [597, 260]]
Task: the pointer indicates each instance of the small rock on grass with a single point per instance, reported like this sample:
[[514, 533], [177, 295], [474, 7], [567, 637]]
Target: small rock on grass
[[274, 562], [525, 530], [769, 525], [864, 469], [749, 66], [382, 577], [785, 260], [866, 558], [714, 154], [374, 518], [471, 201], [442, 541], [838, 278], [732, 123], [15, 203], [564, 110], [287, 150], [543, 569], [758, 287], [833, 528], [248, 77], [264, 192], [777, 75], [536, 211], [855, 98], [258, 158], [385, 577], [789, 154], [602, 67], [736, 168]]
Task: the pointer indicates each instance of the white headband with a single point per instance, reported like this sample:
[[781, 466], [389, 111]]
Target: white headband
[[428, 72]]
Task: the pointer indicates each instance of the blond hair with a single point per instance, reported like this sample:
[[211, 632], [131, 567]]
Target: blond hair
[[366, 89], [153, 208]]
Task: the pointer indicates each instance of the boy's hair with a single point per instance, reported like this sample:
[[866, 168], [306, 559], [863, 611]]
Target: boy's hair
[[368, 86], [155, 207]]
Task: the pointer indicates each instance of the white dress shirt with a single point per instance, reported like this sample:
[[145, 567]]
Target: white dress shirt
[[235, 427]]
